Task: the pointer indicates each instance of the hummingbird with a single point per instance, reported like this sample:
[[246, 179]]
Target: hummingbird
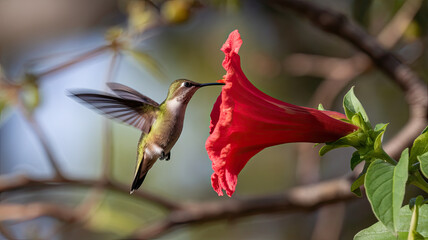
[[161, 124]]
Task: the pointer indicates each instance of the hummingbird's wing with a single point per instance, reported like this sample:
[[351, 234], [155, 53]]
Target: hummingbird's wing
[[126, 92], [135, 112]]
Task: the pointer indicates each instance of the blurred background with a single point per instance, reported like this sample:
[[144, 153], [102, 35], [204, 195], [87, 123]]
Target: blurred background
[[48, 47]]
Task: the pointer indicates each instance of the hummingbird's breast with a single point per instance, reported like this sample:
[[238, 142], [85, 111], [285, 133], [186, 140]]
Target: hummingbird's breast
[[168, 126]]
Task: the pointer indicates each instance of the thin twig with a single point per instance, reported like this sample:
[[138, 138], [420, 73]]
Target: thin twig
[[23, 182], [34, 125], [78, 59], [395, 29], [107, 164]]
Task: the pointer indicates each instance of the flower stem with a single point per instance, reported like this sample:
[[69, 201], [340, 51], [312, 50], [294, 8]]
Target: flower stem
[[417, 180], [383, 155], [413, 223]]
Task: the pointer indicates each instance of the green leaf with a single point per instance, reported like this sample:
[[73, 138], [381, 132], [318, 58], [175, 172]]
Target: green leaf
[[378, 231], [420, 146], [352, 106], [356, 159], [378, 142], [358, 120], [355, 187], [416, 236], [423, 160], [327, 148], [354, 139], [380, 127], [377, 134], [321, 107], [425, 130], [385, 188]]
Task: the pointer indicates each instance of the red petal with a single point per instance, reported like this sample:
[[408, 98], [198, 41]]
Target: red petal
[[245, 120]]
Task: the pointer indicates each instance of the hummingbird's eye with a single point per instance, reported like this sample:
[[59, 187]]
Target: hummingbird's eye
[[187, 84]]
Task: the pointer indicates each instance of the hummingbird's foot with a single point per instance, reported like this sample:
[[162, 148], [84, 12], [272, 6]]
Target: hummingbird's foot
[[165, 157]]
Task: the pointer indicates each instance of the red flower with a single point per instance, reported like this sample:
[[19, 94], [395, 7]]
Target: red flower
[[245, 120]]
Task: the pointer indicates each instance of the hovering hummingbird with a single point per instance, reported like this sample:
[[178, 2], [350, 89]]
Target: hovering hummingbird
[[161, 124]]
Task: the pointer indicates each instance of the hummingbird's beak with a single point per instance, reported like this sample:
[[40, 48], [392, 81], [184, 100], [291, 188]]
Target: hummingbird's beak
[[210, 84]]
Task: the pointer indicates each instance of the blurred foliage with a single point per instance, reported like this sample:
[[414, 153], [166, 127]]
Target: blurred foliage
[[140, 15], [147, 62], [189, 34], [361, 10], [120, 216], [176, 11], [30, 94]]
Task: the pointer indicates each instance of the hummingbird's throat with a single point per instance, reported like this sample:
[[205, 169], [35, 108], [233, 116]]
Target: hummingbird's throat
[[175, 105]]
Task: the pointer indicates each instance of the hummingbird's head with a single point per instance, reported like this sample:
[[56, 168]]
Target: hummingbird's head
[[182, 90]]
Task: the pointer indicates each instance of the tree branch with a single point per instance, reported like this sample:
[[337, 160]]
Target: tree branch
[[24, 212], [23, 182], [299, 199]]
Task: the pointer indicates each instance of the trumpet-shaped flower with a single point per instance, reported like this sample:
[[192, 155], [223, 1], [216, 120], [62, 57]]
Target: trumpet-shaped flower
[[245, 120]]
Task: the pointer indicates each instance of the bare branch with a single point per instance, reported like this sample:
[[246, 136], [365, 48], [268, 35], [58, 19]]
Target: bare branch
[[23, 182], [24, 212], [299, 199]]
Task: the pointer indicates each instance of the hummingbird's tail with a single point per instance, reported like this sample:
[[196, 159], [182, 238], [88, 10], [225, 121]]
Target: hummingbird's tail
[[138, 180]]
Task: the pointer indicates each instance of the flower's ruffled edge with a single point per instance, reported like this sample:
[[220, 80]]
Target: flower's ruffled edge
[[221, 118], [222, 114]]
